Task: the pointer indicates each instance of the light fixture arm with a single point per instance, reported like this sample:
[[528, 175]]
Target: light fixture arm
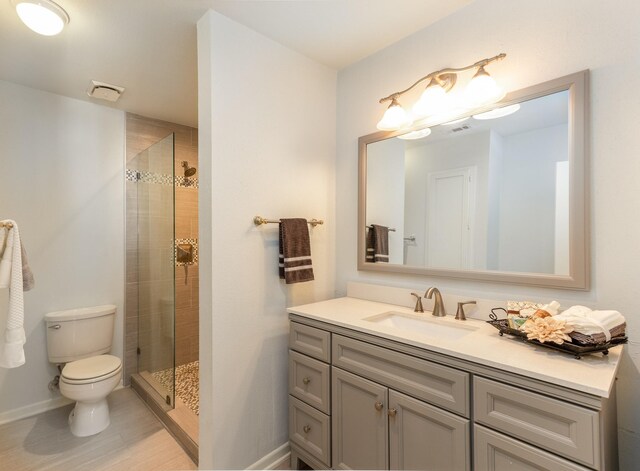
[[446, 78]]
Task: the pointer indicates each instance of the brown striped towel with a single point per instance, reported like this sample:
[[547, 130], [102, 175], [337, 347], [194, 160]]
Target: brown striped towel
[[295, 251], [377, 244]]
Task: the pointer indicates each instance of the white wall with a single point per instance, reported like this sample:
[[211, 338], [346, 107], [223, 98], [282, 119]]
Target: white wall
[[62, 180], [385, 192], [543, 40], [528, 199], [267, 147]]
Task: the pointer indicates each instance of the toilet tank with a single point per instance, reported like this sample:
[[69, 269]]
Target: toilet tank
[[79, 333]]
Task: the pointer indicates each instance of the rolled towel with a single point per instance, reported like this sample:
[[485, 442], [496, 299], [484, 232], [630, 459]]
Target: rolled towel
[[590, 323], [295, 251]]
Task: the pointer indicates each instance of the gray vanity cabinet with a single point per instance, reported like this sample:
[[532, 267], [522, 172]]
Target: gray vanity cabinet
[[360, 401]]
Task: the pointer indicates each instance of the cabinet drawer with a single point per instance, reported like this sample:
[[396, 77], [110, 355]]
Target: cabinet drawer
[[496, 452], [310, 341], [439, 385], [549, 423], [310, 429], [309, 381]]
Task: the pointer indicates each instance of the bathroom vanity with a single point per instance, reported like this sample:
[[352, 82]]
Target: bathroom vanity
[[376, 386]]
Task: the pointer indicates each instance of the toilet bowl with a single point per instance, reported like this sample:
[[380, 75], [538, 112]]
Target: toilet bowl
[[89, 382]]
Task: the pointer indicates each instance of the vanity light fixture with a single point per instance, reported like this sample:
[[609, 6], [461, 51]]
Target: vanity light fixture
[[394, 118], [482, 90], [42, 16], [498, 112], [419, 134]]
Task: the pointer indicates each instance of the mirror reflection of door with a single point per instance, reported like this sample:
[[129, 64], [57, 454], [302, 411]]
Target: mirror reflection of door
[[450, 208]]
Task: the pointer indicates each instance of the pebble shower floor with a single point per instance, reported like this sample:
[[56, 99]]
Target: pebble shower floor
[[187, 383]]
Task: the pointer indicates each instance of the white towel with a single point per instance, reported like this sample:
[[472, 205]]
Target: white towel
[[12, 336], [589, 322]]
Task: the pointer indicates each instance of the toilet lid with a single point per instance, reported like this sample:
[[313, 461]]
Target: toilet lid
[[92, 367]]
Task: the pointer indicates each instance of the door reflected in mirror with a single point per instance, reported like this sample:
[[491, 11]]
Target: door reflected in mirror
[[487, 193]]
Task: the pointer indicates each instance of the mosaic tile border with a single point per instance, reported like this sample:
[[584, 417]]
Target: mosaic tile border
[[194, 243], [186, 182], [160, 178]]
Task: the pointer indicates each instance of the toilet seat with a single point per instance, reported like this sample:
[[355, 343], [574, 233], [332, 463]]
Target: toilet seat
[[91, 370]]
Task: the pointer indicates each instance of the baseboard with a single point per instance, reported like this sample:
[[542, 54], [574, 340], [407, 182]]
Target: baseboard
[[37, 408], [277, 459], [33, 409]]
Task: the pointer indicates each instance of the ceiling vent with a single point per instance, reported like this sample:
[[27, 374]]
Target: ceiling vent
[[104, 91], [460, 128]]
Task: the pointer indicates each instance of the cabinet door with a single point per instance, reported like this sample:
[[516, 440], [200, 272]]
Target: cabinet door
[[359, 422], [424, 437]]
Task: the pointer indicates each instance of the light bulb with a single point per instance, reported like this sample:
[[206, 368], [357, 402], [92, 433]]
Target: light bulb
[[434, 100], [498, 112], [482, 90], [394, 118], [42, 16], [419, 134]]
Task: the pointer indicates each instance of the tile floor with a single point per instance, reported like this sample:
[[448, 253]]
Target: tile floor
[[135, 440]]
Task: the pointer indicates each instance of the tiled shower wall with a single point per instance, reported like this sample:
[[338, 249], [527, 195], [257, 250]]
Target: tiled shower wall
[[141, 133]]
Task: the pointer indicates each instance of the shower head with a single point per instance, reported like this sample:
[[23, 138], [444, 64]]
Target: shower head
[[188, 171]]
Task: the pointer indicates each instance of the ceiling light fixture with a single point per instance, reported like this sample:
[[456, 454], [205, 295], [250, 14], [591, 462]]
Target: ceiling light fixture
[[42, 16], [482, 90]]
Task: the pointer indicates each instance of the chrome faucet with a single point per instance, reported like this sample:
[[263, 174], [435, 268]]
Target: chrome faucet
[[438, 305]]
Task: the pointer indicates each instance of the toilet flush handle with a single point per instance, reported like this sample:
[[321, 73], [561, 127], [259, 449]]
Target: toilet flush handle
[[55, 326]]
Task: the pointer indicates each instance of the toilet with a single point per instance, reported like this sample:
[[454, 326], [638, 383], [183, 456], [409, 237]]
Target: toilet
[[81, 340]]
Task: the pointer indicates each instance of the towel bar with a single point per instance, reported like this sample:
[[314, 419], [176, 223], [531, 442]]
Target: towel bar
[[259, 220], [391, 229], [8, 225]]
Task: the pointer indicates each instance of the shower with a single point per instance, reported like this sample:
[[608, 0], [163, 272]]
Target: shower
[[188, 171]]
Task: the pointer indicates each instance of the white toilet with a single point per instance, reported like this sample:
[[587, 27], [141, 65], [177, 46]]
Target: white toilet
[[80, 338]]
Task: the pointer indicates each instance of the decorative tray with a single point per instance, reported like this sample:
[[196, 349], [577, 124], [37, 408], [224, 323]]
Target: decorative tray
[[576, 350]]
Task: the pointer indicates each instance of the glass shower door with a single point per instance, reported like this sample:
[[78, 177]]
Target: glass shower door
[[156, 267]]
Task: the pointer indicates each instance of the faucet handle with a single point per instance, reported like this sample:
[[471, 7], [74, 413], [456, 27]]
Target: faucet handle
[[418, 307], [460, 312]]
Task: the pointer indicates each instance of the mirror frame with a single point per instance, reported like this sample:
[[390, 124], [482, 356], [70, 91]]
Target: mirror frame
[[579, 245]]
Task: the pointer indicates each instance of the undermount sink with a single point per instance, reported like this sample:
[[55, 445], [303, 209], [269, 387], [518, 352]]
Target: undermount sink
[[438, 327]]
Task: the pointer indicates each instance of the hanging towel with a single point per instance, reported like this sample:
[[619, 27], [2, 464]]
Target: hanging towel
[[12, 336], [28, 282], [295, 251], [377, 244]]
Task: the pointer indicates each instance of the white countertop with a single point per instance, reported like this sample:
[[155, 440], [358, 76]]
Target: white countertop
[[593, 374]]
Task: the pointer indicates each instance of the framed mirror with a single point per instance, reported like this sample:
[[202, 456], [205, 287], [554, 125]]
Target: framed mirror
[[499, 194]]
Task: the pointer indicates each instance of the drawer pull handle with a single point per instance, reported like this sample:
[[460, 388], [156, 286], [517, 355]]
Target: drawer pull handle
[[306, 380], [55, 326], [392, 412], [306, 428], [378, 405]]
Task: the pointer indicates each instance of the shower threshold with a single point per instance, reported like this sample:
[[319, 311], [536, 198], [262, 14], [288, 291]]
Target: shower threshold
[[180, 420]]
